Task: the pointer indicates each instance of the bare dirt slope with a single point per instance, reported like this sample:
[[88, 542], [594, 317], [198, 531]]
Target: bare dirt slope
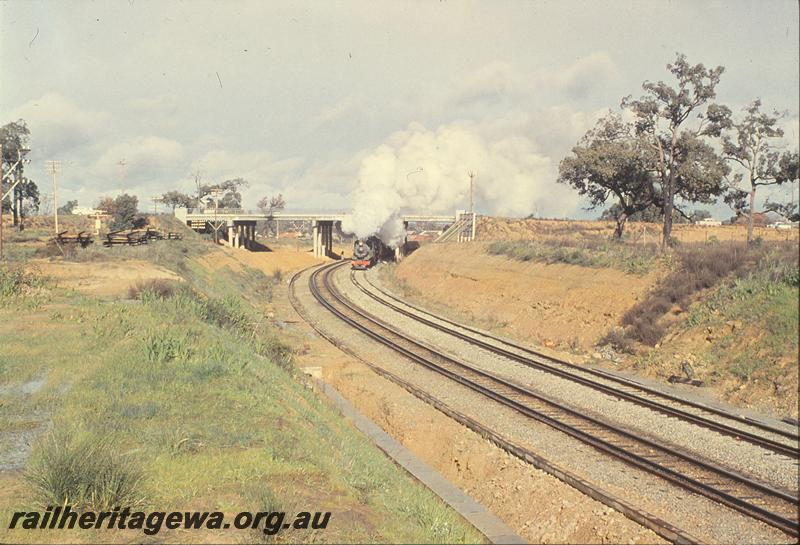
[[568, 308], [103, 279], [548, 304]]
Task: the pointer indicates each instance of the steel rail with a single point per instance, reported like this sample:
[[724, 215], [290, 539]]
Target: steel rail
[[602, 374], [646, 519], [755, 490], [763, 442]]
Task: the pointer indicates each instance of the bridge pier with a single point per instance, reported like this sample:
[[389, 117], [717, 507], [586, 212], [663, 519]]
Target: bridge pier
[[322, 238], [241, 235]]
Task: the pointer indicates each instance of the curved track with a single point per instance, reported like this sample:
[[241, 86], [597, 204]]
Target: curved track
[[596, 379], [763, 502]]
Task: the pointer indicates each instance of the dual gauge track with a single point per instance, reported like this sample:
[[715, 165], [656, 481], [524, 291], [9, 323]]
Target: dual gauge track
[[762, 501]]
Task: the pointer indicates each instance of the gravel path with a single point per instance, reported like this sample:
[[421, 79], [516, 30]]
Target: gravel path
[[740, 456], [698, 515]]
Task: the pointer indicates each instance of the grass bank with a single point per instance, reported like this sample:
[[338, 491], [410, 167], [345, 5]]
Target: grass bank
[[590, 252], [184, 398]]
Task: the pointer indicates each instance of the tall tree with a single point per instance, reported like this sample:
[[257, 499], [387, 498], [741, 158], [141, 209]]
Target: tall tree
[[177, 199], [610, 162], [15, 137], [124, 211], [270, 205], [106, 204], [67, 208], [752, 146], [674, 121], [231, 195]]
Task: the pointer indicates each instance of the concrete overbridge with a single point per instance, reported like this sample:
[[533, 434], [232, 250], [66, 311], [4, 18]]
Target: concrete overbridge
[[239, 226]]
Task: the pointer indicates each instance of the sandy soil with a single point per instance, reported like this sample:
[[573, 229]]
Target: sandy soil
[[287, 258], [568, 308], [551, 305], [107, 278]]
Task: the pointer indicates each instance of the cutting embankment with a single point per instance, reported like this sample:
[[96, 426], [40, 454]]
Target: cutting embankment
[[712, 310], [154, 377]]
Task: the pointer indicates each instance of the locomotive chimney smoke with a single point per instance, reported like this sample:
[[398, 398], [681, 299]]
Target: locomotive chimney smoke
[[422, 171]]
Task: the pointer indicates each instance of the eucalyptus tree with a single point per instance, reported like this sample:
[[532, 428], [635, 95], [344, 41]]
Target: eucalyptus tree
[[610, 162], [675, 122], [754, 147]]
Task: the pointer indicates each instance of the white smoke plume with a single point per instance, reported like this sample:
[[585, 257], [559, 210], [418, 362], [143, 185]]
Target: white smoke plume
[[422, 171]]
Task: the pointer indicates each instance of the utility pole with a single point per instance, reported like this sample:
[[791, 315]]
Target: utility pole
[[471, 192], [54, 167], [156, 199], [216, 193], [472, 204]]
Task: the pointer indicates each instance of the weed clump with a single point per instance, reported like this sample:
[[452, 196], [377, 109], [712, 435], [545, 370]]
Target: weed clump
[[16, 281], [83, 471], [225, 312], [163, 346], [158, 288]]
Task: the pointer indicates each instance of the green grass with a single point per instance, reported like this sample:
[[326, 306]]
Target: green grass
[[765, 300], [627, 258], [186, 399]]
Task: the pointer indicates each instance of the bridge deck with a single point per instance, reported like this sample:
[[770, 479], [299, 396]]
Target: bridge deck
[[247, 215]]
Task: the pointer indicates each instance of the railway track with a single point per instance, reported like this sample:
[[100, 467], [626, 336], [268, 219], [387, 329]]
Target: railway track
[[607, 383], [768, 504]]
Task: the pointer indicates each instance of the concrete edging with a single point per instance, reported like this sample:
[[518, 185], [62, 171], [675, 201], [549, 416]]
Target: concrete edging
[[472, 511]]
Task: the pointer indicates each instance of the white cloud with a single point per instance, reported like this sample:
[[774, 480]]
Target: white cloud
[[490, 83], [585, 75], [141, 159], [58, 125]]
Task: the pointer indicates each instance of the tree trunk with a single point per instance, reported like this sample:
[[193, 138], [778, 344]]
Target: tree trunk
[[751, 214], [618, 230], [669, 196]]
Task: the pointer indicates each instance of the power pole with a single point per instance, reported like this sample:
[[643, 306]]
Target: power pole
[[216, 193], [156, 199], [471, 192], [54, 167]]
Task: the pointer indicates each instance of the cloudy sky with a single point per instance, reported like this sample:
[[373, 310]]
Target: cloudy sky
[[318, 99]]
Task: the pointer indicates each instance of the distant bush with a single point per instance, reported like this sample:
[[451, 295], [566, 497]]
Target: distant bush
[[73, 468]]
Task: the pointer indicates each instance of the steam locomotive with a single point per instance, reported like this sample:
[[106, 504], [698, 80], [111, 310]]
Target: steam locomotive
[[367, 252]]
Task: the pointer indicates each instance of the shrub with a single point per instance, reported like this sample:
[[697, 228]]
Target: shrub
[[163, 346], [594, 252], [224, 312], [277, 352], [155, 288], [701, 268], [15, 280], [617, 340], [70, 467]]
